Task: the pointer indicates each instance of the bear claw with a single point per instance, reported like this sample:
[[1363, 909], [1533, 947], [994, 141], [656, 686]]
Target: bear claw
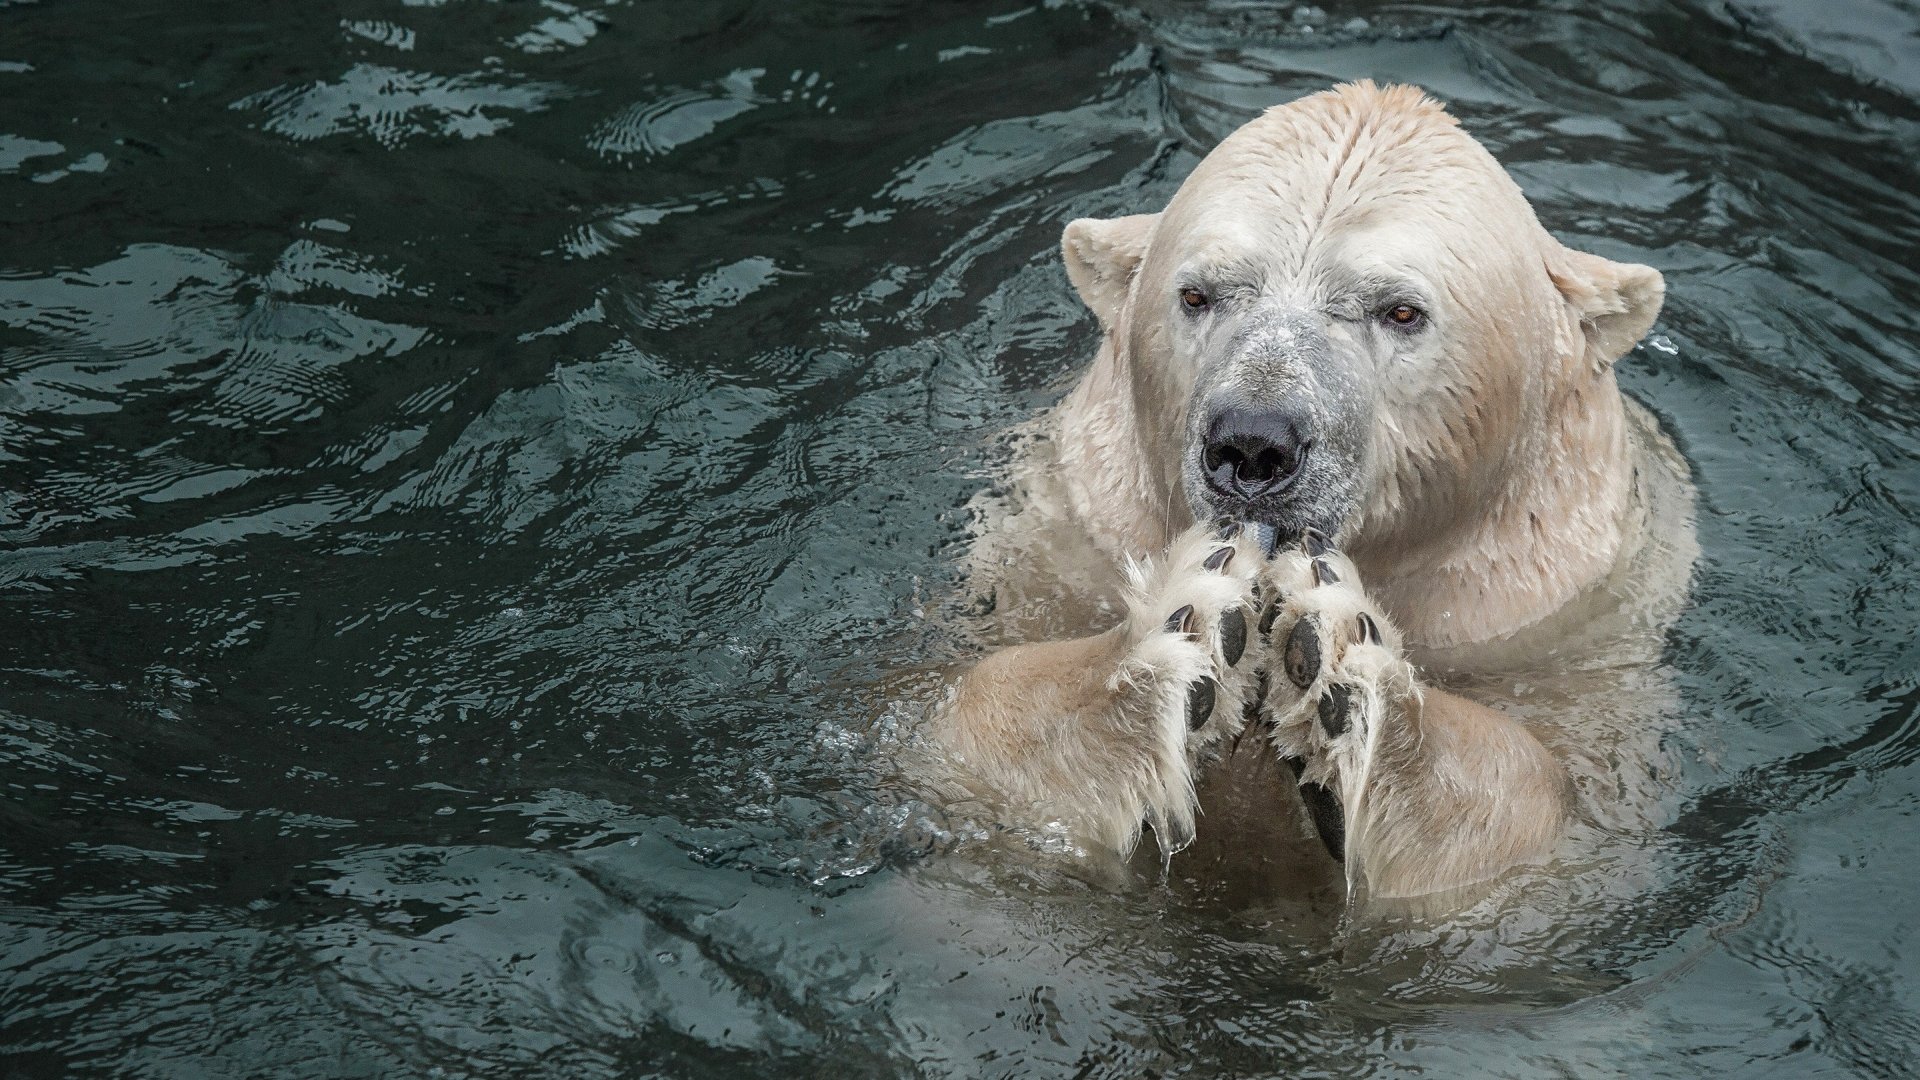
[[1369, 630], [1323, 573], [1314, 542], [1181, 621], [1333, 710], [1267, 618], [1325, 811], [1219, 559]]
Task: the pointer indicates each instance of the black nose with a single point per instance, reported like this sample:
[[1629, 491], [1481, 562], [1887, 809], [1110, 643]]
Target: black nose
[[1250, 453]]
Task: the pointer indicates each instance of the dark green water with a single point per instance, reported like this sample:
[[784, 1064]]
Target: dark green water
[[462, 460]]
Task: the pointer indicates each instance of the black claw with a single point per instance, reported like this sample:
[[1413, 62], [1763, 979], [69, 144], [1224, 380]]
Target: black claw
[[1233, 636], [1327, 821], [1267, 617], [1297, 764], [1219, 559], [1314, 541], [1227, 530], [1258, 699], [1181, 621], [1323, 574], [1303, 654], [1200, 698], [1369, 630], [1333, 710]]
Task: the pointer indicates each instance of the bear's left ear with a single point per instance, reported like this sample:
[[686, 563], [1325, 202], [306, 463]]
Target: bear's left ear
[[1101, 255], [1616, 303]]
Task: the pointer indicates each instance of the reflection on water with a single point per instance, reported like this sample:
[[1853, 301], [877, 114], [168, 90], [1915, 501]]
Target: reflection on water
[[458, 464]]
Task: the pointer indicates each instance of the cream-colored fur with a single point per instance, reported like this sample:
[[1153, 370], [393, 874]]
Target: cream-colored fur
[[1515, 513]]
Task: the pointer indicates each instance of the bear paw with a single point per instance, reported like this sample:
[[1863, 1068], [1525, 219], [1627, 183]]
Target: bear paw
[[1333, 683], [1186, 678]]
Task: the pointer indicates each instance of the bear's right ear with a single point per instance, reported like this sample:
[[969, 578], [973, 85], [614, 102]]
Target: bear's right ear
[[1616, 303], [1101, 256]]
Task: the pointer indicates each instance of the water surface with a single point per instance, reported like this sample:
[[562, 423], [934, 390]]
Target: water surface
[[459, 463]]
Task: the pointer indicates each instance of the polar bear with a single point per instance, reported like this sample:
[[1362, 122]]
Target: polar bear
[[1353, 410]]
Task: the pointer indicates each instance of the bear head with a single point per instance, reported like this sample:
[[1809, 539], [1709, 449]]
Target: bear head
[[1349, 318]]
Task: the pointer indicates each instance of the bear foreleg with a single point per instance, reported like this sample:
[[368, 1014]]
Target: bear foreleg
[[1414, 789], [1099, 734]]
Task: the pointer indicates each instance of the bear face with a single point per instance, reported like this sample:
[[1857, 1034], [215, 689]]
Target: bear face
[[1349, 319]]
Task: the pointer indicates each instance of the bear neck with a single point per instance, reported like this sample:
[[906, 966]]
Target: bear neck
[[1450, 578]]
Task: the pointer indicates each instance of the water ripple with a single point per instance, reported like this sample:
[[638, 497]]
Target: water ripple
[[443, 576], [392, 106]]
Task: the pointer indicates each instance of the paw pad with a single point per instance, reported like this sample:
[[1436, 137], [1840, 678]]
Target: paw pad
[[1302, 656], [1233, 636], [1200, 698]]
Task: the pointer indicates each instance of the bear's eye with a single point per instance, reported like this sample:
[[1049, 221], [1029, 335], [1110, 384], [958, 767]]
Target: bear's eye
[[1404, 317], [1194, 299]]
